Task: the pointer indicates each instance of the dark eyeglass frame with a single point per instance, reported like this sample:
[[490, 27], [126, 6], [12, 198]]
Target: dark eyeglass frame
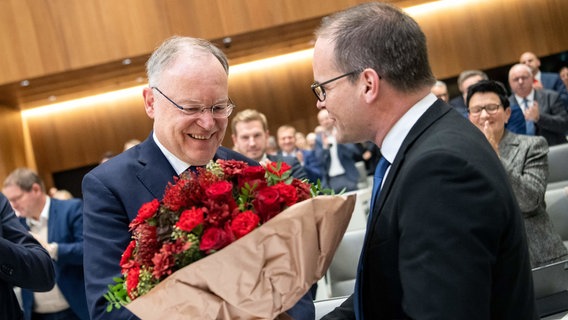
[[481, 108], [198, 112], [318, 87]]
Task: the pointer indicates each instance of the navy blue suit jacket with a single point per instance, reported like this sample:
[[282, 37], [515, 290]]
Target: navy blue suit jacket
[[113, 192], [23, 262], [552, 81], [553, 122], [348, 154], [65, 227]]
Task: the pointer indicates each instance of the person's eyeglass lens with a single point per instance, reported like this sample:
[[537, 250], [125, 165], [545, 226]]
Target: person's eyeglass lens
[[219, 111], [318, 89], [490, 109]]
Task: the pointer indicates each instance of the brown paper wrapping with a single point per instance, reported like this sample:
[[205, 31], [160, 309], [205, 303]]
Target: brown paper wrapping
[[259, 276]]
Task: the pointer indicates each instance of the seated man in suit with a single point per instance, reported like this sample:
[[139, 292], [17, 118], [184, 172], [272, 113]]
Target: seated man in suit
[[544, 113], [58, 226], [250, 137], [544, 80], [187, 98], [24, 262]]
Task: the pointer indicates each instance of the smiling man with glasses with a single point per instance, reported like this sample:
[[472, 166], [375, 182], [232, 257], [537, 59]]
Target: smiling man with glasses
[[190, 111]]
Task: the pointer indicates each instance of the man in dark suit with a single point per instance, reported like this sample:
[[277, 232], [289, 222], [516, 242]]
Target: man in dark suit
[[445, 237], [23, 262], [545, 80], [250, 137], [339, 171], [543, 110], [188, 100], [58, 226]]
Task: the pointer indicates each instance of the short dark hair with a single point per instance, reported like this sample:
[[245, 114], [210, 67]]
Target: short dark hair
[[484, 86], [382, 37]]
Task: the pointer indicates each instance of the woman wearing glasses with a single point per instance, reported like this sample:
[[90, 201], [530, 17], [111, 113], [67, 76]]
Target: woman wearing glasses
[[525, 160]]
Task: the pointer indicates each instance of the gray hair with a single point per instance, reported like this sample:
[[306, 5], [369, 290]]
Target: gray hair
[[382, 37], [23, 178], [173, 47], [464, 75]]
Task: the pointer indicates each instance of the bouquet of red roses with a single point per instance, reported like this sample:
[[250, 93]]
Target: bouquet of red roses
[[201, 213]]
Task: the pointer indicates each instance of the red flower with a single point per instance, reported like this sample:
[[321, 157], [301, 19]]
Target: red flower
[[125, 261], [214, 239], [145, 212], [288, 194], [132, 279], [232, 167], [146, 243], [190, 219], [272, 167], [220, 191], [244, 223], [267, 203], [303, 190]]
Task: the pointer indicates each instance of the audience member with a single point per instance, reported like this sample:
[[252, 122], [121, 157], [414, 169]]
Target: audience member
[[250, 134], [312, 165], [62, 194], [58, 226], [543, 110], [301, 143], [466, 79], [440, 90], [286, 138], [337, 159], [183, 70], [24, 263], [445, 236], [563, 73], [106, 156], [524, 158], [271, 146], [546, 80], [130, 143]]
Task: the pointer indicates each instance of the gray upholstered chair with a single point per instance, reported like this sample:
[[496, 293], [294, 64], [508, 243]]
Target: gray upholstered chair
[[557, 208], [557, 166], [343, 268]]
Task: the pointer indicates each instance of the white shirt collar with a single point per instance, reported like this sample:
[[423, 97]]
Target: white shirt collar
[[529, 97], [44, 215], [394, 138], [178, 165]]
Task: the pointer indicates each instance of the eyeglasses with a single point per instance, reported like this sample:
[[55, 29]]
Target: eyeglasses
[[318, 89], [219, 111], [489, 108]]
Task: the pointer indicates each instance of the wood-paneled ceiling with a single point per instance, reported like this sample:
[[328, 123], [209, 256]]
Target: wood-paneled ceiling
[[118, 75]]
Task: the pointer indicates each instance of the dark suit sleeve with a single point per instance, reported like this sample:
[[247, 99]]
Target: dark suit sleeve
[[553, 116], [23, 261], [452, 236], [344, 311], [71, 251], [106, 236]]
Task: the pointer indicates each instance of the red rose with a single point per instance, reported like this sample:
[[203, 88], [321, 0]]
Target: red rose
[[277, 168], [125, 261], [190, 219], [132, 279], [303, 189], [214, 239], [244, 223], [232, 167], [288, 194], [221, 190], [146, 211], [267, 203], [253, 175]]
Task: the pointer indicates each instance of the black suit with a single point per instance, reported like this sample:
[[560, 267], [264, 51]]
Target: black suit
[[446, 239], [23, 262]]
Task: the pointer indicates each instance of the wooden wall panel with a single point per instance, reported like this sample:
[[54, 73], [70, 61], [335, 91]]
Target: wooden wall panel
[[12, 145]]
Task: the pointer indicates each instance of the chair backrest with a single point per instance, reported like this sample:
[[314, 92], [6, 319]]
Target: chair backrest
[[361, 210], [557, 208], [343, 268], [558, 163]]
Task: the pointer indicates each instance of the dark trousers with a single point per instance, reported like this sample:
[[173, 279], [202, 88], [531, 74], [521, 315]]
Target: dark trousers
[[67, 314]]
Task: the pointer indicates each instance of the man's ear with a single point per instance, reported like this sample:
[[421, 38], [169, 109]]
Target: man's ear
[[148, 95], [371, 82]]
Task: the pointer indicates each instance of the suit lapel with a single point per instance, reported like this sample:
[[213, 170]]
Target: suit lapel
[[436, 111], [508, 147], [155, 170]]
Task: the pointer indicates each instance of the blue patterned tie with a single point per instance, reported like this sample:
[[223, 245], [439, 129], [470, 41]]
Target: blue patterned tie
[[530, 124], [377, 181]]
